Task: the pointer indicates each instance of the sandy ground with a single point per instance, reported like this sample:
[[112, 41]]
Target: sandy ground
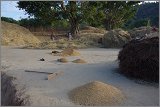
[[101, 66]]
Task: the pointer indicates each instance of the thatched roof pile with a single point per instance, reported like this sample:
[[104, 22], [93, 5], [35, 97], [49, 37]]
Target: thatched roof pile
[[140, 59]]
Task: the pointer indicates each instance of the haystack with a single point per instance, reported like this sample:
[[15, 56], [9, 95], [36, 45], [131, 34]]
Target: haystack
[[140, 59], [13, 34], [96, 94], [154, 34], [115, 38], [90, 29], [79, 61], [69, 52], [140, 32], [64, 60]]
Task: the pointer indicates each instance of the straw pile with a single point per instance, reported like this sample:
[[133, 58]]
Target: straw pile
[[66, 52], [90, 29], [140, 59], [115, 38], [154, 34], [96, 94], [55, 52], [69, 52], [140, 32], [15, 35], [64, 60], [79, 61]]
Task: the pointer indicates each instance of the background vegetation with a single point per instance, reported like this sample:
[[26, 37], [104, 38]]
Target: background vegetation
[[94, 15], [147, 12]]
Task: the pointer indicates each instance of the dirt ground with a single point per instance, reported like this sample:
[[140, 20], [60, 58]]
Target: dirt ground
[[101, 66]]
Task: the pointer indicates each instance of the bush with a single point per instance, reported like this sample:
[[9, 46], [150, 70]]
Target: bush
[[10, 20], [61, 25], [140, 59]]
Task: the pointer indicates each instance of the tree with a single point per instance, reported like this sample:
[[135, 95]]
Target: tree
[[75, 12], [119, 12], [54, 10], [149, 11], [115, 13], [33, 22], [146, 11], [94, 13], [60, 24], [10, 20]]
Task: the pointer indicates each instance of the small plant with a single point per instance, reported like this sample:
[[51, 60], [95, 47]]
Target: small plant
[[148, 23]]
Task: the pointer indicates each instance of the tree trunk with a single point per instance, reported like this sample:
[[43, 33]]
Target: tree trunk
[[74, 28], [108, 24]]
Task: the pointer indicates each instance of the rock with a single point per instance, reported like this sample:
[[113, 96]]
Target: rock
[[42, 59]]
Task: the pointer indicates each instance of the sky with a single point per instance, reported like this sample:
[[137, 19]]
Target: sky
[[9, 9]]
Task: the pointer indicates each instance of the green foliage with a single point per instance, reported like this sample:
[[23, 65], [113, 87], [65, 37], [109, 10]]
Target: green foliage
[[10, 20], [119, 12], [60, 24], [148, 23], [94, 13], [148, 10], [33, 22], [54, 10], [38, 9], [155, 21], [147, 13], [111, 14], [135, 23]]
